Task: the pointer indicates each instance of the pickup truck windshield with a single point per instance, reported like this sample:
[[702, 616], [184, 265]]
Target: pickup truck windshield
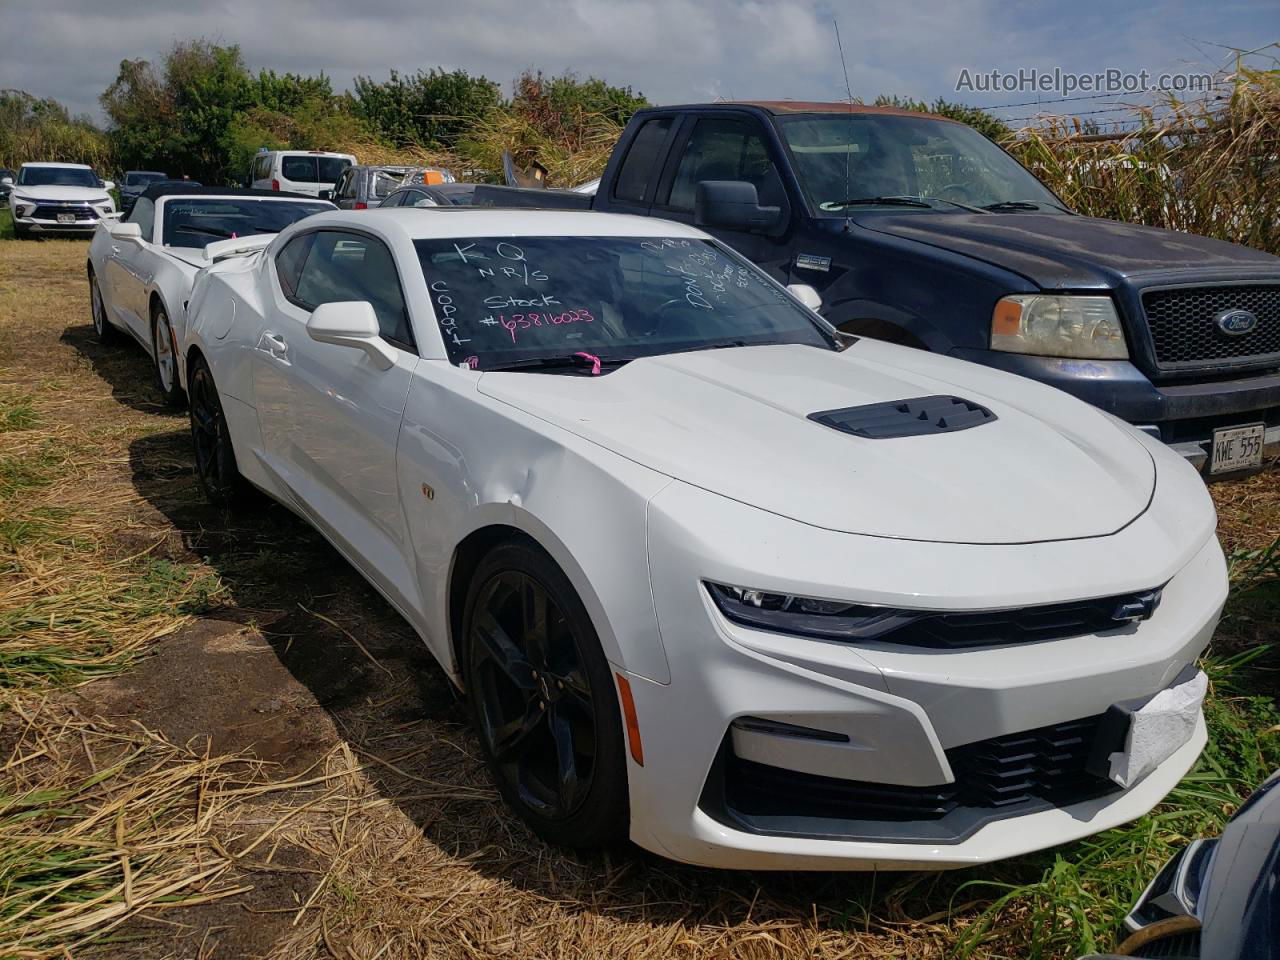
[[57, 177], [515, 301], [892, 158], [200, 221]]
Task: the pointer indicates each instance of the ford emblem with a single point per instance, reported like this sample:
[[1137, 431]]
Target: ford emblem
[[1235, 323]]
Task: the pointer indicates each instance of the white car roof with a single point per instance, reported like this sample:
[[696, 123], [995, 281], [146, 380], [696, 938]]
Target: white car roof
[[422, 223], [76, 166]]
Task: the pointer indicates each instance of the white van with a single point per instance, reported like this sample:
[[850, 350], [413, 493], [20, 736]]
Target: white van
[[313, 172]]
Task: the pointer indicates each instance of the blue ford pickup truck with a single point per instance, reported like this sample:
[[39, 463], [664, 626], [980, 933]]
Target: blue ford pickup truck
[[917, 229]]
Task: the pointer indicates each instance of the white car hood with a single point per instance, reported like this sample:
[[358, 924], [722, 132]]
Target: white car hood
[[79, 194], [735, 422]]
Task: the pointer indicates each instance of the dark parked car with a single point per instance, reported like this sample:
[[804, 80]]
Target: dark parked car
[[441, 195], [5, 174], [917, 229], [1218, 899], [134, 183]]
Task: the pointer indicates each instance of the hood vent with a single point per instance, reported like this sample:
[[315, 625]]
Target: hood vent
[[906, 418]]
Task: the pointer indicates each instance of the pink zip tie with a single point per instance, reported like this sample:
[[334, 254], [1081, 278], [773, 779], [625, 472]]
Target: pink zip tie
[[595, 362]]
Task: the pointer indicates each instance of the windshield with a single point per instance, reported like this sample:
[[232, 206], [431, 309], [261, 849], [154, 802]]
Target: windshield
[[617, 298], [199, 221], [137, 178], [57, 177], [943, 165]]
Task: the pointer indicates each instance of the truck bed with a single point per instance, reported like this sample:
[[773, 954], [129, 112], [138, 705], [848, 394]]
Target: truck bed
[[487, 195]]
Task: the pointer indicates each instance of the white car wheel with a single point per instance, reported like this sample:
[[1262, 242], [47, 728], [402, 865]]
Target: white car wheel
[[166, 357], [102, 327]]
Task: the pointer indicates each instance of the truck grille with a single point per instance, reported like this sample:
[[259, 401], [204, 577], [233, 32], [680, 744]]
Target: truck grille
[[1184, 333], [1001, 777]]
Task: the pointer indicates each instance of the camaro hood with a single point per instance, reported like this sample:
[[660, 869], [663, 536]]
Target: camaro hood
[[736, 422], [1057, 251], [90, 194]]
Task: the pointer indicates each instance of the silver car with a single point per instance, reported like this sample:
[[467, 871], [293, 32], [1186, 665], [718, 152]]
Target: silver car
[[365, 186]]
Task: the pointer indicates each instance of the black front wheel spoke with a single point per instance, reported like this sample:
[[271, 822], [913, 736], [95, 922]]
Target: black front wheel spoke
[[569, 784], [511, 739], [503, 653]]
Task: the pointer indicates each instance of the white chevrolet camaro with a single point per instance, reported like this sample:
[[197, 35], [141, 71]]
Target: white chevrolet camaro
[[713, 576], [141, 268]]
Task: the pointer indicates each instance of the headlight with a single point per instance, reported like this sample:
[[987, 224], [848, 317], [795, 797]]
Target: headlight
[[807, 616], [1058, 326]]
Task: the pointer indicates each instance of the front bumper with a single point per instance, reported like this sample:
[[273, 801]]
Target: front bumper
[[1183, 416], [895, 711]]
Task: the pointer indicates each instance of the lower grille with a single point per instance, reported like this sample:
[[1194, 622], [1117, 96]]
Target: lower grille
[[1001, 777], [50, 211], [1185, 333]]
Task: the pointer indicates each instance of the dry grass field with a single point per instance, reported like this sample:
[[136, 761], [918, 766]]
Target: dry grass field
[[217, 742]]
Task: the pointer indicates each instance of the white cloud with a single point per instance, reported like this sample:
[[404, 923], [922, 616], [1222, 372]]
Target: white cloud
[[672, 50]]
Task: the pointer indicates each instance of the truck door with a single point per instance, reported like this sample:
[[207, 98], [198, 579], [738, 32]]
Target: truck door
[[728, 147]]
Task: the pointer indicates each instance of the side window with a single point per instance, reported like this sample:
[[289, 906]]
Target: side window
[[639, 165], [420, 199], [299, 168], [289, 263], [144, 215], [383, 184], [344, 181], [725, 149], [395, 200], [262, 168], [351, 266]]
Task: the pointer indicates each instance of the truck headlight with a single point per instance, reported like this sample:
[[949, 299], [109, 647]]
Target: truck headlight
[[808, 616], [1080, 327]]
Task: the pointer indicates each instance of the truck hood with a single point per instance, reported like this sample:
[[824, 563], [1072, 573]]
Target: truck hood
[[735, 422], [1060, 251], [90, 194]]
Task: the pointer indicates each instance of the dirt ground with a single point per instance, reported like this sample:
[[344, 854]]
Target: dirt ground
[[390, 842]]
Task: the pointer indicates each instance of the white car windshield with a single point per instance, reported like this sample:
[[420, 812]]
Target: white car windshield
[[199, 221], [516, 301], [57, 177]]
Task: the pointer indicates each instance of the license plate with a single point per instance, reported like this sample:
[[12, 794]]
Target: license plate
[[1237, 448], [66, 218]]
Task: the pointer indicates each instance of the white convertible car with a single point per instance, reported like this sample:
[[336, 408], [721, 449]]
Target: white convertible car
[[141, 268], [712, 576]]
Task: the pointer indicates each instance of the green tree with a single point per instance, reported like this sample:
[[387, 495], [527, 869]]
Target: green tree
[[429, 108], [34, 128]]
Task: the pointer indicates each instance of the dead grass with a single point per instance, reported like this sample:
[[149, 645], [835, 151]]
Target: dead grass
[[289, 776]]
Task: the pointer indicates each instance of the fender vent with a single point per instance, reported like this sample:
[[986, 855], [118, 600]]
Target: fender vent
[[906, 418]]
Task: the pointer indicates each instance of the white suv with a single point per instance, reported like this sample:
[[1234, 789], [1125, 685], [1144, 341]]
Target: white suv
[[59, 198]]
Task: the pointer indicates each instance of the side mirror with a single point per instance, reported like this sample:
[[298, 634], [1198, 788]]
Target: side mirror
[[806, 295], [733, 205], [125, 231], [326, 195], [351, 323], [108, 184], [6, 181]]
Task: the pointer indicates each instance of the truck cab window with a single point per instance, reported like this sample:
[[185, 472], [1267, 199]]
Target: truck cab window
[[725, 149], [639, 166]]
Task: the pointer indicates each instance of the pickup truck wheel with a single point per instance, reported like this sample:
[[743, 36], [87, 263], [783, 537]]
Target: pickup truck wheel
[[543, 701], [102, 328], [215, 458], [166, 357]]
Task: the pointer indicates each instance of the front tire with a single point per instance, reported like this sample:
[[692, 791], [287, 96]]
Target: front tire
[[166, 358], [107, 334], [542, 700], [215, 458]]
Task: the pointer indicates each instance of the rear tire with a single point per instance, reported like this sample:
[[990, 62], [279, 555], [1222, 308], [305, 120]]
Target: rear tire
[[107, 334], [166, 358], [543, 701], [215, 458]]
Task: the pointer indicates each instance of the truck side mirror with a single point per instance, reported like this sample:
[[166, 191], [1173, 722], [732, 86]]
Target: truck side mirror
[[732, 205]]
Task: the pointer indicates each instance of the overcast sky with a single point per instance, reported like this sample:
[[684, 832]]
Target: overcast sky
[[671, 50]]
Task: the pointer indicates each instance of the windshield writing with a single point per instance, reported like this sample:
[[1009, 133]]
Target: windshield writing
[[499, 300]]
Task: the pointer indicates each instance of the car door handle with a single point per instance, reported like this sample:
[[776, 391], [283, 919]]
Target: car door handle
[[275, 344]]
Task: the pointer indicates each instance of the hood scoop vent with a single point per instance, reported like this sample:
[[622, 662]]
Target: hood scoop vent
[[906, 418]]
